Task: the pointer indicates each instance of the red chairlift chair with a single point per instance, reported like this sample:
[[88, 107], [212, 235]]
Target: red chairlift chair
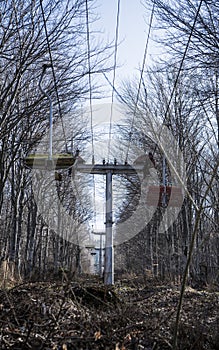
[[159, 195], [155, 196]]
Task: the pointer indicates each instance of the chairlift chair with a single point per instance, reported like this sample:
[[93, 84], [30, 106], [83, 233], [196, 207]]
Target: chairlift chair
[[162, 195], [44, 162]]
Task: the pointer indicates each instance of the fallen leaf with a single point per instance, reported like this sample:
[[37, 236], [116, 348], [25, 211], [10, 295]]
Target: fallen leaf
[[97, 335]]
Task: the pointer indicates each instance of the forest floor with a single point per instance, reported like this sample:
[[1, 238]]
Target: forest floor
[[84, 314]]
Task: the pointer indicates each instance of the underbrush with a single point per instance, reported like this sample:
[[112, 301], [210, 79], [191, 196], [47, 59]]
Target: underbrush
[[84, 314]]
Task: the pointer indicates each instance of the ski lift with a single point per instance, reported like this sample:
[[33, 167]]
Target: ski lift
[[162, 195], [45, 162], [49, 161]]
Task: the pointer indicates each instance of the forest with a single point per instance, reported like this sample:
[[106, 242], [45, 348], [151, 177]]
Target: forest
[[164, 217]]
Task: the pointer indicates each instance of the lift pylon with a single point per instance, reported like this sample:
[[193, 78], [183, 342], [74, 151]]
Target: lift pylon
[[109, 170]]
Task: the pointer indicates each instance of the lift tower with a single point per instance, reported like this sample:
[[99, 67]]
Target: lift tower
[[108, 170]]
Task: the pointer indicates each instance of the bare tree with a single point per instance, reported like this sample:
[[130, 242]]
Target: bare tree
[[189, 123], [34, 33]]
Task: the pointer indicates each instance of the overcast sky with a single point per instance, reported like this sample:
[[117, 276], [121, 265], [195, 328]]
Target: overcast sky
[[133, 31]]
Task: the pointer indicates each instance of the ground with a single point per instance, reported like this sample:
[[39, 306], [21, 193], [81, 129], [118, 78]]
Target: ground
[[134, 314]]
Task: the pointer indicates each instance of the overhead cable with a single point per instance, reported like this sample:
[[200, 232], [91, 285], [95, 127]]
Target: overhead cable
[[114, 76], [89, 79], [90, 101], [180, 67], [53, 73], [140, 81]]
